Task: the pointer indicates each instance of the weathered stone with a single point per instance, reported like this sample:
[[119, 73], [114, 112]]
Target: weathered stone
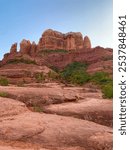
[[86, 43], [56, 40], [25, 46], [51, 40], [13, 48], [74, 40], [33, 49]]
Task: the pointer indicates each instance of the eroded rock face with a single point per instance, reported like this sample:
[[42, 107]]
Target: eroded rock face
[[25, 46], [13, 48], [50, 40], [33, 49], [74, 40], [87, 42], [56, 40]]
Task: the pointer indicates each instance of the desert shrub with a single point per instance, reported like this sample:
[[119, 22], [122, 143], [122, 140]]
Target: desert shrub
[[53, 75], [55, 69], [101, 78], [3, 94], [4, 81], [21, 60], [105, 82], [40, 77], [37, 108], [78, 77], [107, 90], [75, 73]]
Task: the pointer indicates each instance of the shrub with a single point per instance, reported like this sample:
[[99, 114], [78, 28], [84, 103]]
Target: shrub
[[4, 81], [55, 69], [37, 108], [105, 82], [21, 60], [107, 90], [101, 78], [75, 73], [3, 94], [79, 77], [40, 77], [53, 75]]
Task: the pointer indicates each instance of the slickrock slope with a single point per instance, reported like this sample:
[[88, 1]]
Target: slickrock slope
[[34, 128]]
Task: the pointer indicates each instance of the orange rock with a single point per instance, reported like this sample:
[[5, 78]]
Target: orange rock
[[25, 46], [87, 42], [33, 49], [56, 40], [13, 48]]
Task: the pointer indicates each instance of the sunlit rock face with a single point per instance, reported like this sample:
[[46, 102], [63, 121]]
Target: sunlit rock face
[[56, 40]]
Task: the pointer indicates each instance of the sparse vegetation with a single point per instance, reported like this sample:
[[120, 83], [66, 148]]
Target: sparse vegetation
[[107, 90], [37, 108], [21, 60], [105, 82], [55, 69], [101, 78], [48, 51], [3, 94], [40, 77], [75, 73], [53, 75], [4, 81]]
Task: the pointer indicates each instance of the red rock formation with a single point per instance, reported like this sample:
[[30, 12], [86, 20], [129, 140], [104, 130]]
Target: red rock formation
[[13, 48], [25, 46], [56, 40], [33, 49], [74, 40], [87, 43], [89, 56], [51, 40]]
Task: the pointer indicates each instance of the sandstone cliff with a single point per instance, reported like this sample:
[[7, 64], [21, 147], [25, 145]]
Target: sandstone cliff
[[56, 40], [76, 47]]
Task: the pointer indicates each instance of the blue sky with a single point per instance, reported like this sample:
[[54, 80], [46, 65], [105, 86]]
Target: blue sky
[[27, 19]]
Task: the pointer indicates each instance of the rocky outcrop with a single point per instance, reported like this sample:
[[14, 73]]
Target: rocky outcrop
[[25, 46], [56, 40], [13, 48], [33, 49], [86, 43], [89, 56], [50, 40]]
